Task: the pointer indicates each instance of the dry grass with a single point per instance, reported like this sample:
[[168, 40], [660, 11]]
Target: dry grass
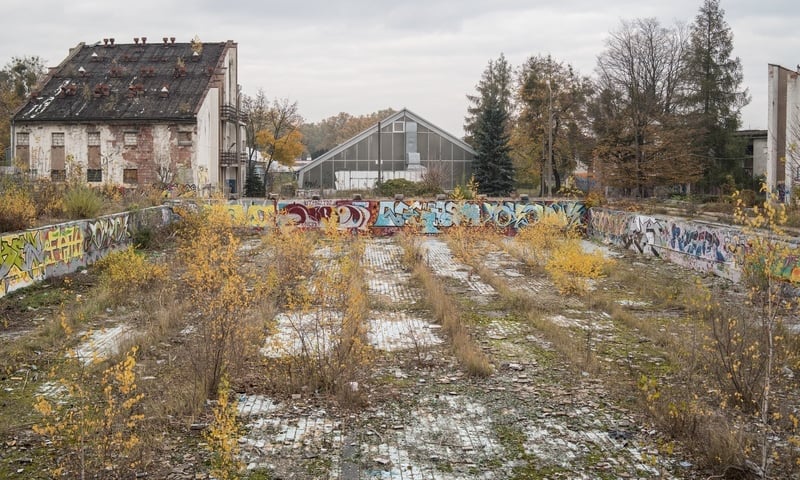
[[447, 313]]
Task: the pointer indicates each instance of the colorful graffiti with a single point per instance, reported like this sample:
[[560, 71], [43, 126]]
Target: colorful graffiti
[[33, 255], [388, 216], [701, 246]]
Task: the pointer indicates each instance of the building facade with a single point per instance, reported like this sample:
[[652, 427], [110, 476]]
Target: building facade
[[403, 145], [138, 114], [783, 129]]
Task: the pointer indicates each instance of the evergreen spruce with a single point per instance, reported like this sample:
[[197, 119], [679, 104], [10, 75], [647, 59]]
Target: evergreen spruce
[[493, 168], [253, 186], [715, 97]]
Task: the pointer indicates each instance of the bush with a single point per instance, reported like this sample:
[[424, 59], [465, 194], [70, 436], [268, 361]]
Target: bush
[[17, 211], [390, 188], [570, 267], [81, 201], [48, 197], [127, 270]]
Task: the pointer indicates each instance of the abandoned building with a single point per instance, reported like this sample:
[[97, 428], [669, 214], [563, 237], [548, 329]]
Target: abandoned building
[[137, 114], [783, 129], [407, 147]]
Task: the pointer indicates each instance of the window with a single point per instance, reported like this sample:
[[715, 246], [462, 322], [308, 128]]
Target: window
[[58, 139], [94, 175], [23, 139], [184, 138], [130, 139], [130, 175], [94, 139], [58, 175], [399, 127]]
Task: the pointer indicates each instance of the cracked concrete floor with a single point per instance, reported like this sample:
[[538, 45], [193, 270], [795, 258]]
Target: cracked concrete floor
[[429, 421]]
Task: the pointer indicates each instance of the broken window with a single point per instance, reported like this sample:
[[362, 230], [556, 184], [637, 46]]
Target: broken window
[[94, 175], [94, 139], [184, 138], [58, 175], [130, 139]]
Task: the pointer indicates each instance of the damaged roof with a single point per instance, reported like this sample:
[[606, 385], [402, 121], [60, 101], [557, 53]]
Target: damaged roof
[[129, 82]]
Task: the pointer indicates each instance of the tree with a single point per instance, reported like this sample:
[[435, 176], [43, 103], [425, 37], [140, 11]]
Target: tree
[[641, 132], [322, 136], [496, 83], [552, 101], [256, 109], [17, 80], [494, 170], [714, 96], [279, 139]]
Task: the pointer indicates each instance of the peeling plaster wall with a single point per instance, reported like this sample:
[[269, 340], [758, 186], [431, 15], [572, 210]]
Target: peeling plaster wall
[[156, 148], [33, 255]]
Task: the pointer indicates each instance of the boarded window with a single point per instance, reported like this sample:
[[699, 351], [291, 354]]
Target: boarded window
[[130, 175], [94, 150], [94, 175], [399, 127], [57, 152], [184, 138], [130, 139], [23, 150]]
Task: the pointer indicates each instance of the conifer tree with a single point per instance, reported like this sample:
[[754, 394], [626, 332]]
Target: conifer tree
[[714, 92], [493, 169]]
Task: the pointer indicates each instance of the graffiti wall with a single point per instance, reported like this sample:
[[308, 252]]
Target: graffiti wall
[[388, 216], [33, 255], [701, 246]]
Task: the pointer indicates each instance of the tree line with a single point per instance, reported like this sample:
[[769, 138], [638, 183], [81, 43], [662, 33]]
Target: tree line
[[661, 111]]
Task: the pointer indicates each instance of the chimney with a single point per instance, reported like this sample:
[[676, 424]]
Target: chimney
[[105, 42], [165, 41], [144, 40], [111, 41], [171, 40], [136, 40]]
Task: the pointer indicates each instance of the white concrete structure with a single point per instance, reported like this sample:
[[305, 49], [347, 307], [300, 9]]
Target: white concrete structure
[[783, 142]]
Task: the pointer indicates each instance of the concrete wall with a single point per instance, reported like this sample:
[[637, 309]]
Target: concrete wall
[[33, 255], [384, 217], [701, 246]]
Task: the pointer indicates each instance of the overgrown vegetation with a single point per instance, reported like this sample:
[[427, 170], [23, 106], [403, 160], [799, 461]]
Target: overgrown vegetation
[[446, 311]]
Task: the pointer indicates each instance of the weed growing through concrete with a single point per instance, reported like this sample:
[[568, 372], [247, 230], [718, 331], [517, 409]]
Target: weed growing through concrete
[[222, 436], [218, 287], [324, 306], [446, 311], [99, 429]]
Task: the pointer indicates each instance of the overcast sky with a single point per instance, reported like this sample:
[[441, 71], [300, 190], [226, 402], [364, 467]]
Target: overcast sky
[[359, 56]]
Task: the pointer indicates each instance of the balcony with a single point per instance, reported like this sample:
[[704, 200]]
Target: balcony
[[228, 159], [229, 113]]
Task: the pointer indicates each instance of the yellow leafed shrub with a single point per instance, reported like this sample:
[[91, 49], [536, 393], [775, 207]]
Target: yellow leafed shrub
[[17, 211], [127, 269], [545, 235], [570, 266]]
